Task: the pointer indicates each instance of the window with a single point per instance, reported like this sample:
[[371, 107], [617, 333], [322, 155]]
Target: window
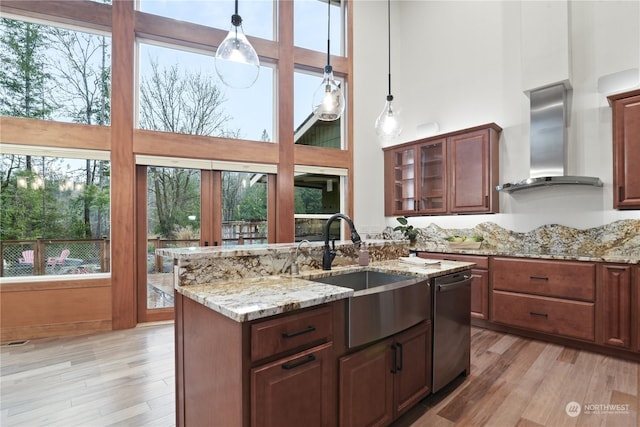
[[257, 15], [52, 73], [318, 195], [309, 130], [244, 208], [312, 14], [55, 212], [180, 92]]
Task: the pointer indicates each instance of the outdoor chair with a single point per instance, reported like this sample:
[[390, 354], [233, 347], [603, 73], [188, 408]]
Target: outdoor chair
[[27, 257], [52, 261]]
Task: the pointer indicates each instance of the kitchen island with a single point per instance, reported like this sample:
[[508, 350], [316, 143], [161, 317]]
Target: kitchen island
[[271, 349]]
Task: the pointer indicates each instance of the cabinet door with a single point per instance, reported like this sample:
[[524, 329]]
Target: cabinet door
[[626, 152], [636, 314], [412, 350], [294, 391], [470, 180], [366, 387], [616, 305], [400, 181], [432, 184], [480, 294]]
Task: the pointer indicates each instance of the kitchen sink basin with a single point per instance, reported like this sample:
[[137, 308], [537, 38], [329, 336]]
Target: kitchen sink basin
[[383, 304], [361, 280]]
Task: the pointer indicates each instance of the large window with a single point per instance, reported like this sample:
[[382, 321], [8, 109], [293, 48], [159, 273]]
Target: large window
[[308, 130], [53, 73], [257, 15], [312, 14], [180, 92], [55, 213]]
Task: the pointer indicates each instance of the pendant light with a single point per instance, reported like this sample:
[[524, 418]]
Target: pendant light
[[237, 62], [328, 99], [389, 123]]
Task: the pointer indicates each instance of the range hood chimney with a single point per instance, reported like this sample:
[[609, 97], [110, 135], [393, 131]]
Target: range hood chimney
[[548, 142]]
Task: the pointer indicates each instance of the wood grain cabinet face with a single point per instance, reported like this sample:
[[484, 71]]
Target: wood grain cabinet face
[[294, 391], [626, 149], [554, 297], [415, 179], [616, 305], [473, 172], [636, 324], [379, 383], [451, 173]]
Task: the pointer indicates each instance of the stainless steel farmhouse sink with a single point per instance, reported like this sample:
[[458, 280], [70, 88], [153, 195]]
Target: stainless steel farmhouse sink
[[382, 304]]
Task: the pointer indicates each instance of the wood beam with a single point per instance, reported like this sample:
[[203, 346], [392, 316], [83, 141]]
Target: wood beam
[[123, 232]]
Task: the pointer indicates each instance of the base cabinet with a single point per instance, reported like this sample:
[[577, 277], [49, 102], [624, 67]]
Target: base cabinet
[[274, 372], [617, 312], [294, 391], [553, 297], [379, 383]]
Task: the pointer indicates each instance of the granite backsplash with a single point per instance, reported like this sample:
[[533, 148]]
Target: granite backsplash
[[617, 239]]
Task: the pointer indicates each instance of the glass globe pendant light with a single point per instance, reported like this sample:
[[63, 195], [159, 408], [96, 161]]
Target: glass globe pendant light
[[389, 123], [237, 62], [328, 99]]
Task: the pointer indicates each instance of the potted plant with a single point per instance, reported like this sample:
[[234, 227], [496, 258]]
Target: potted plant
[[408, 230]]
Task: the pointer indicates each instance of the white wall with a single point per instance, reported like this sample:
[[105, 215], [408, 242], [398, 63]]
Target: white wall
[[460, 64]]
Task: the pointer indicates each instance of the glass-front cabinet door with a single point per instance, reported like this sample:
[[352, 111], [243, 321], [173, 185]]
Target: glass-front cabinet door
[[402, 169], [432, 173]]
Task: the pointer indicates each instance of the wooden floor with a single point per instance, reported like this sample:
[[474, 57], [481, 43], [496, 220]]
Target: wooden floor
[[125, 378]]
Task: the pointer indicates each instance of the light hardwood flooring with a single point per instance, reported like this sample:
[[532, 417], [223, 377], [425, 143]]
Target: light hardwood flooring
[[126, 378]]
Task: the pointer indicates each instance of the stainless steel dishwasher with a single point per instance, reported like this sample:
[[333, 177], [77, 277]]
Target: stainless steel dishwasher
[[451, 327]]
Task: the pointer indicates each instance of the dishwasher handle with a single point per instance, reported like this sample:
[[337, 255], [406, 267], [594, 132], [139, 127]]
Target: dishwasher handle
[[466, 279]]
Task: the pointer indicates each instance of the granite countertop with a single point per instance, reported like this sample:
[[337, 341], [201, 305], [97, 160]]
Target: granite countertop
[[538, 254], [258, 297]]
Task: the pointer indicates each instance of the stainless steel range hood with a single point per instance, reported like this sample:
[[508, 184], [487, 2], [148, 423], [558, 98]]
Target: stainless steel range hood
[[548, 143]]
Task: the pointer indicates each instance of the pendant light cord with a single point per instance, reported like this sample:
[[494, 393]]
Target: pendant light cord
[[328, 67], [389, 96]]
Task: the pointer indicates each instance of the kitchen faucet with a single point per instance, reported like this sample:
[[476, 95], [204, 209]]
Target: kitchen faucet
[[330, 253], [294, 265]]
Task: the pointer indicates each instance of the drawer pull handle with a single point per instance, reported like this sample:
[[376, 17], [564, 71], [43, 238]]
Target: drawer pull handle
[[533, 313], [300, 332], [401, 357], [538, 277], [309, 358]]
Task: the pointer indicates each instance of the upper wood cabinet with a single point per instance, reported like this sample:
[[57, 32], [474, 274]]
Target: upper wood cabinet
[[626, 149], [452, 173]]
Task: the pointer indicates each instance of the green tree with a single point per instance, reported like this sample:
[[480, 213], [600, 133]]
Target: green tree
[[173, 194], [24, 82], [254, 203]]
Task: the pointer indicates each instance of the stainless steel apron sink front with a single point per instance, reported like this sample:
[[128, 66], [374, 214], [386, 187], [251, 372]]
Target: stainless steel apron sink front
[[383, 304]]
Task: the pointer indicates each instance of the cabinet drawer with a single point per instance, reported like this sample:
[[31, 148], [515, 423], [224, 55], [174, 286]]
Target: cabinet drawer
[[481, 261], [573, 319], [575, 280], [285, 333]]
